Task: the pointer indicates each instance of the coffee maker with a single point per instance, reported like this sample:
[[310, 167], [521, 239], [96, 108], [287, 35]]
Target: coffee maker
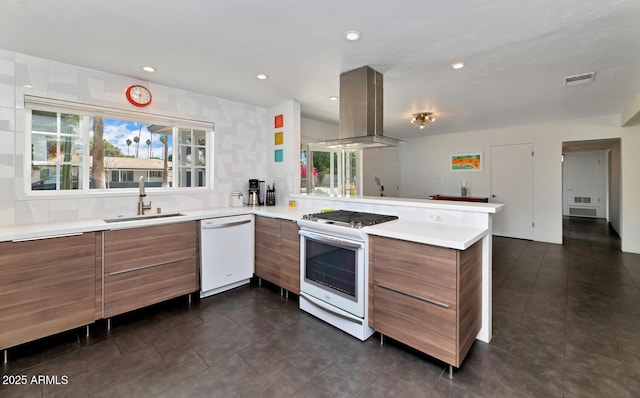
[[254, 192]]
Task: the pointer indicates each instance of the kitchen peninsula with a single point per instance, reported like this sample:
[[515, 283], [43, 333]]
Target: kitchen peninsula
[[452, 225], [449, 224]]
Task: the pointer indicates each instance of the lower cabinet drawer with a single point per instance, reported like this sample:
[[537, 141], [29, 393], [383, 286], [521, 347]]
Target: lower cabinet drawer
[[418, 268], [424, 326], [131, 289]]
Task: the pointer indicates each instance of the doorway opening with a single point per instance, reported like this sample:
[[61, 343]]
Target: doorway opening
[[591, 182]]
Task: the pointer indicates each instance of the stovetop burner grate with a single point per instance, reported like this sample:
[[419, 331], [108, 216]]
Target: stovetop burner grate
[[354, 219]]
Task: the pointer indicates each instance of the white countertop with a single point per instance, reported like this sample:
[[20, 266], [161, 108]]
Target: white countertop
[[433, 233], [438, 234], [64, 228], [285, 212]]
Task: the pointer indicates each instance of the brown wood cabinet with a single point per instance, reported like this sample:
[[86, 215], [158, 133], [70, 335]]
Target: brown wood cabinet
[[290, 250], [98, 276], [144, 266], [267, 248], [425, 296], [46, 286], [277, 252]]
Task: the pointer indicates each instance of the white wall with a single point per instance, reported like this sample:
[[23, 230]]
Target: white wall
[[424, 165], [239, 144], [314, 130], [384, 164], [630, 214]]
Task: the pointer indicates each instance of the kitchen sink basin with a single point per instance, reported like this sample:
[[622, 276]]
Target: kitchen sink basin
[[142, 217]]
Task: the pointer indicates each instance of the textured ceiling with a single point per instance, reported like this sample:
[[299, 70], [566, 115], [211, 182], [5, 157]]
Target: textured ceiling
[[517, 52]]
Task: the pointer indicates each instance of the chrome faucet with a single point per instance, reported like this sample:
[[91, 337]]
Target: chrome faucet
[[141, 206]]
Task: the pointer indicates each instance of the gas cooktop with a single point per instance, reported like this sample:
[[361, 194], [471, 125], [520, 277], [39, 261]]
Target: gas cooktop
[[347, 218]]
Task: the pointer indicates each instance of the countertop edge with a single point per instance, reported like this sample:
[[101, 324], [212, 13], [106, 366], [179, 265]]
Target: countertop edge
[[490, 208]]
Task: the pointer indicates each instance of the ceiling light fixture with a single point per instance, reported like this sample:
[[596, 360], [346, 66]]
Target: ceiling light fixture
[[333, 98], [147, 68], [262, 76], [352, 35], [422, 119], [457, 65]]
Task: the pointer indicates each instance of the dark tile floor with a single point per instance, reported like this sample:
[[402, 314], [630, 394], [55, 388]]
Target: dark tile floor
[[566, 324]]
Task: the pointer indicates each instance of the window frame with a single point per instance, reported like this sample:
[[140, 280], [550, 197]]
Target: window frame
[[342, 163], [86, 112]]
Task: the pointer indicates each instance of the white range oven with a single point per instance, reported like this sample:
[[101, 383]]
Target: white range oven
[[333, 268]]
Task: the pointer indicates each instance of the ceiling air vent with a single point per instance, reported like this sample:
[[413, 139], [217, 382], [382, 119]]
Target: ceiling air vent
[[577, 80]]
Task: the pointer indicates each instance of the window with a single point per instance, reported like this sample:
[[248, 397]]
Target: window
[[83, 148], [192, 151], [328, 171], [56, 151], [120, 176], [352, 163]]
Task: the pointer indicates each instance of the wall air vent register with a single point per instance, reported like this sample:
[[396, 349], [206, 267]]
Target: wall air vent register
[[576, 80], [577, 211]]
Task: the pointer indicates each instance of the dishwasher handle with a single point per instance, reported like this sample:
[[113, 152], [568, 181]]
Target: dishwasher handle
[[225, 225]]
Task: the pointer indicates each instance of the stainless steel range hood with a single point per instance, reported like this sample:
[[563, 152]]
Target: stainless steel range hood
[[361, 112]]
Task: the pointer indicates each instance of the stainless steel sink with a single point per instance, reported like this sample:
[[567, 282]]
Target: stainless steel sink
[[142, 217]]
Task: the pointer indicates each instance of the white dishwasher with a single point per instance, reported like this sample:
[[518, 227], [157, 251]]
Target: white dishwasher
[[226, 253]]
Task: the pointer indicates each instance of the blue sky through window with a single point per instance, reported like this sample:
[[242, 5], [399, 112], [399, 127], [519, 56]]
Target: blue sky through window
[[118, 131]]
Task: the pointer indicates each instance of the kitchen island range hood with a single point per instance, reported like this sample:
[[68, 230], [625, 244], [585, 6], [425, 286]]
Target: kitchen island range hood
[[360, 125]]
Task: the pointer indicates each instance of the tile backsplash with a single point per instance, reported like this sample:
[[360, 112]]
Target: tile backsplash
[[239, 138]]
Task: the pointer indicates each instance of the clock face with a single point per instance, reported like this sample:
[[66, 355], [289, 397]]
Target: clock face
[[139, 95]]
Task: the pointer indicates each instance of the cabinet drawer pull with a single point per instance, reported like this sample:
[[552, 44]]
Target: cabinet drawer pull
[[149, 266], [46, 237], [415, 296]]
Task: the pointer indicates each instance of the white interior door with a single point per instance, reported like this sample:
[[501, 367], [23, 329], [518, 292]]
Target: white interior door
[[512, 184]]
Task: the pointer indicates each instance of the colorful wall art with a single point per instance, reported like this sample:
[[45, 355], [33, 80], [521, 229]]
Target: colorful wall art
[[466, 161]]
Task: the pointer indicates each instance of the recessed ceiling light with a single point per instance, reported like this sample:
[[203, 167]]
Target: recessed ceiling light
[[333, 98], [457, 65], [28, 86], [262, 76], [147, 68], [352, 35]]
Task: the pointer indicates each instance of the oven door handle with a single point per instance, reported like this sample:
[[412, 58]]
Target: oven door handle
[[348, 244]]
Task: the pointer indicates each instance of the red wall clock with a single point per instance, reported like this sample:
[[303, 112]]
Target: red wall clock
[[138, 95]]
